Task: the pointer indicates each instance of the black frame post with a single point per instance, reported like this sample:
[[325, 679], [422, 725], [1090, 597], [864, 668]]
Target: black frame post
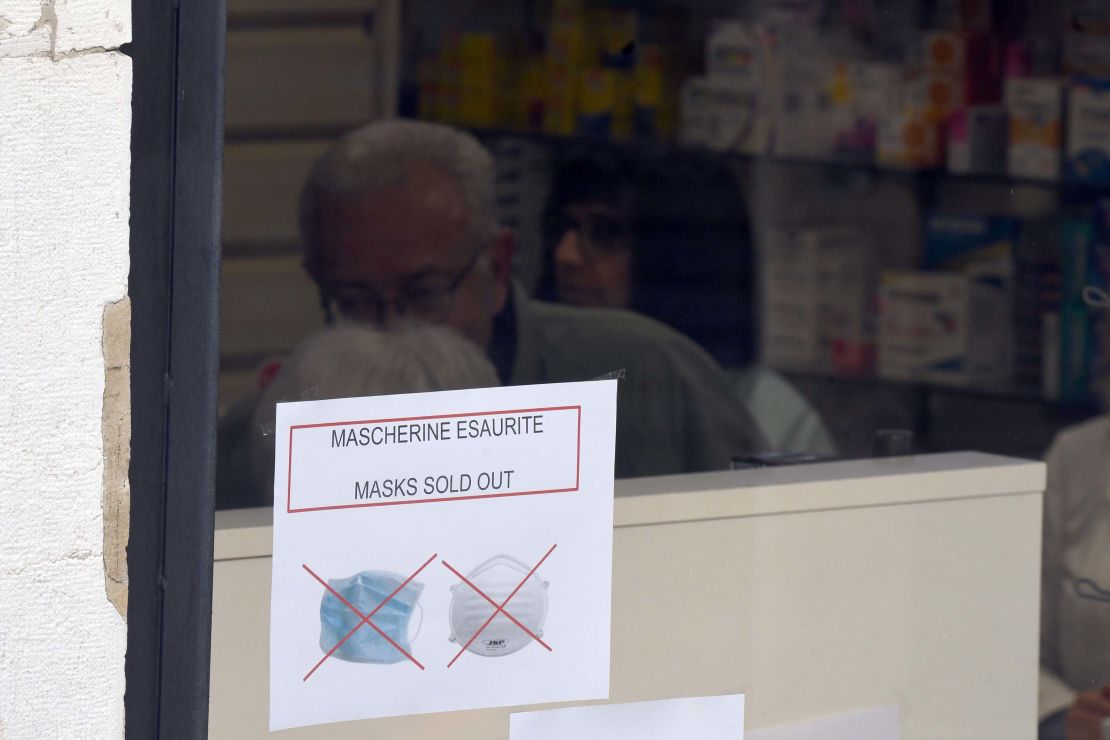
[[177, 153]]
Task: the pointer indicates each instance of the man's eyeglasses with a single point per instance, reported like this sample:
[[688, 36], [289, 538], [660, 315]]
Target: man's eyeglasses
[[424, 300]]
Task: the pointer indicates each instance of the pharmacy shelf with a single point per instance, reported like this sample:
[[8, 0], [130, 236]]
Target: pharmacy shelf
[[1074, 190]]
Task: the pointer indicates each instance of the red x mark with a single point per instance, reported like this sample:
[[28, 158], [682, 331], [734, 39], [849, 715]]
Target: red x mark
[[365, 618], [499, 608]]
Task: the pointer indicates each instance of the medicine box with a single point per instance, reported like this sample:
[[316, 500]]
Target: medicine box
[[937, 95], [946, 328], [1088, 144], [737, 52], [481, 81], [908, 139], [723, 115], [727, 110], [1035, 107], [847, 284], [977, 140], [1087, 37], [971, 61], [801, 101], [819, 293], [597, 101], [566, 52], [944, 51], [956, 241], [861, 94], [791, 322], [649, 83]]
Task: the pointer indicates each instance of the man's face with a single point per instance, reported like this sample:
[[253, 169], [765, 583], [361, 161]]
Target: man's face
[[411, 251]]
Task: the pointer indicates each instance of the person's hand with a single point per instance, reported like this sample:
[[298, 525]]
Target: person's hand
[[1084, 719]]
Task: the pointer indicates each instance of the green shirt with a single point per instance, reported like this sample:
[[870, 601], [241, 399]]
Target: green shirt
[[676, 410]]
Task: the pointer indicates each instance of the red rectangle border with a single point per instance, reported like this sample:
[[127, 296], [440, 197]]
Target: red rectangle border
[[289, 473]]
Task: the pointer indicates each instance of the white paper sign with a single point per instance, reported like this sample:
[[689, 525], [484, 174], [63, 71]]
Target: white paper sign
[[441, 551], [705, 718], [876, 723]]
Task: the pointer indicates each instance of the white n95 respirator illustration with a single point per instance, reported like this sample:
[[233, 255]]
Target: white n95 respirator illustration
[[372, 593], [490, 584]]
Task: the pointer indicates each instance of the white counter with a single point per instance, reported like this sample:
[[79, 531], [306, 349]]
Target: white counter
[[812, 589]]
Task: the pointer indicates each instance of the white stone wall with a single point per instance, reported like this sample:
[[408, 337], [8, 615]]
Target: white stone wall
[[64, 178]]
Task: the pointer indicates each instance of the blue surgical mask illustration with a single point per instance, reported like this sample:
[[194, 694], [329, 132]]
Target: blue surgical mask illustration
[[497, 578], [366, 591]]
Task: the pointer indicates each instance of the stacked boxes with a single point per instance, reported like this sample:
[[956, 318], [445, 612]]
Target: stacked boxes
[[777, 88], [846, 297], [954, 325], [481, 84], [818, 309], [566, 50], [1000, 302], [791, 330], [727, 110]]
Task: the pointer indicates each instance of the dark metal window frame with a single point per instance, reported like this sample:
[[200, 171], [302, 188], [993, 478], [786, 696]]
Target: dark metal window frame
[[176, 160]]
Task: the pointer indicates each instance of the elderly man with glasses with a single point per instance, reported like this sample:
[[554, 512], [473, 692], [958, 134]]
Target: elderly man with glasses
[[399, 223]]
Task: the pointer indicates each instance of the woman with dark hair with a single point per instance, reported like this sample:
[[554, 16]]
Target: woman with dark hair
[[667, 235]]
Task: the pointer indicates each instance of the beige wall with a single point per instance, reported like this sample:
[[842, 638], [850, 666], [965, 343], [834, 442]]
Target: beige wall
[[65, 94], [812, 589]]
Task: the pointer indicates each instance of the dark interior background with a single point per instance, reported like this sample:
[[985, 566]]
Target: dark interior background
[[300, 72]]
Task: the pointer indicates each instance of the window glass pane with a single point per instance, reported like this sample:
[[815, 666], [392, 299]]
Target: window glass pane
[[797, 231]]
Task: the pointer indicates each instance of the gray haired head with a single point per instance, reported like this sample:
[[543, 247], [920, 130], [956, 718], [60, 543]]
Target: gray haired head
[[381, 156], [353, 361]]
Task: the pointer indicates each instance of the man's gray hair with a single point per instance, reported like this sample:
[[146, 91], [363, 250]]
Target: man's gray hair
[[352, 361], [380, 156]]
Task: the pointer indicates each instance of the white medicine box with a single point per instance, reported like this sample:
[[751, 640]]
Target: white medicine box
[[1035, 107], [945, 328], [1088, 145], [790, 301]]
